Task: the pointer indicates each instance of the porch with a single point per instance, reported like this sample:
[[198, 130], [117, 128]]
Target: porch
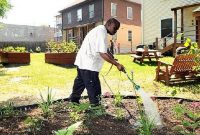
[[189, 24]]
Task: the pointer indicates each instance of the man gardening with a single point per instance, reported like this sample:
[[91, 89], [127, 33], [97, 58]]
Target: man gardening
[[90, 59]]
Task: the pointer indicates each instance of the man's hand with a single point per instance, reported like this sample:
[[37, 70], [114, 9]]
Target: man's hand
[[111, 60], [120, 67]]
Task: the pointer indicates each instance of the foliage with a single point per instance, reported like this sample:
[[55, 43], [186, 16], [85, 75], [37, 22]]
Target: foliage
[[62, 47], [193, 49], [77, 110], [8, 110], [4, 7], [188, 125], [46, 104], [34, 124], [119, 114], [16, 49], [146, 125], [118, 99], [70, 130]]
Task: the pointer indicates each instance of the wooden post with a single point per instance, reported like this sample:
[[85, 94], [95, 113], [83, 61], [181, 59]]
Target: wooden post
[[182, 26], [156, 43], [164, 42], [175, 32]]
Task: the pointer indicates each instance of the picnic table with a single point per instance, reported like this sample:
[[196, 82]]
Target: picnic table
[[142, 54]]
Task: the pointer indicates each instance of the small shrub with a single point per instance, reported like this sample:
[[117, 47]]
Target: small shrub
[[62, 47]]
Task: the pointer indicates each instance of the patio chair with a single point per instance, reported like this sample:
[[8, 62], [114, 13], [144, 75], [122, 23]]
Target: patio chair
[[180, 70]]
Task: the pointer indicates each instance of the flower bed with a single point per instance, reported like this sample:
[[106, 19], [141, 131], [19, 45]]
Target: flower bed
[[61, 53], [111, 121], [17, 55], [60, 58]]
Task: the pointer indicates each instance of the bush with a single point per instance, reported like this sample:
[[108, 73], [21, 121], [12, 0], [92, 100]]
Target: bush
[[62, 47], [16, 49]]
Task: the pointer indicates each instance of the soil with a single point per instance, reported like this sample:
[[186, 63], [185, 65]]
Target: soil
[[106, 124]]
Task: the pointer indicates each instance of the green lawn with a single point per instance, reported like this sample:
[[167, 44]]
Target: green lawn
[[38, 76]]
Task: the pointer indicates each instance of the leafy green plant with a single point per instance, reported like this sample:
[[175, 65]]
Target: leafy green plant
[[62, 47], [119, 114], [78, 110], [146, 126], [118, 99], [16, 49], [34, 124], [193, 49], [70, 130], [8, 110], [190, 124], [46, 103]]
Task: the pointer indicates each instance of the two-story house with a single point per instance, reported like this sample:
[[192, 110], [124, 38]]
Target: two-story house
[[164, 19], [80, 18]]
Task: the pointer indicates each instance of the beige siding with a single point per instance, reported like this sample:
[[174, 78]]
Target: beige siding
[[122, 37], [156, 10]]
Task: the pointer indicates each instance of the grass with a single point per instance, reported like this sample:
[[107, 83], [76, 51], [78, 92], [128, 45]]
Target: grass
[[38, 76]]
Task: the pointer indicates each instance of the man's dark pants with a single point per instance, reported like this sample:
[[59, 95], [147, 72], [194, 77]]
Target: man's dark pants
[[89, 80]]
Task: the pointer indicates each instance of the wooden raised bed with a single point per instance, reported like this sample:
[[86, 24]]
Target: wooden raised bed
[[16, 58], [60, 58]]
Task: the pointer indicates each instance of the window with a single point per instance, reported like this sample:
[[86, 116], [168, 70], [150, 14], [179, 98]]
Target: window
[[79, 15], [69, 17], [166, 28], [129, 35], [91, 11], [129, 13], [113, 9]]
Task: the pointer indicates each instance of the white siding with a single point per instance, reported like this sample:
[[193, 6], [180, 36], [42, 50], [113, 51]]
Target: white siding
[[156, 10]]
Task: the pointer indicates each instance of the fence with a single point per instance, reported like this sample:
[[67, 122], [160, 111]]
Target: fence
[[28, 45]]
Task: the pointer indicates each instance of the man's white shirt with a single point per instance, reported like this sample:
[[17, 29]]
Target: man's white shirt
[[88, 57]]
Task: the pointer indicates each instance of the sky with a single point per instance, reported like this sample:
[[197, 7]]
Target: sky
[[35, 12]]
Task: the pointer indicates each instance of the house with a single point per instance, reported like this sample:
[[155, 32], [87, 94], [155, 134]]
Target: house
[[80, 18], [164, 19], [27, 36], [25, 33]]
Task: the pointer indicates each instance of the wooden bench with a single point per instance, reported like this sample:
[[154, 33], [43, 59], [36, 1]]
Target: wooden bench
[[180, 70]]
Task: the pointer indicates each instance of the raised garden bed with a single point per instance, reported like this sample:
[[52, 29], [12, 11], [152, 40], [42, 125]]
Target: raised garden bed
[[18, 58], [17, 55], [107, 124], [60, 58]]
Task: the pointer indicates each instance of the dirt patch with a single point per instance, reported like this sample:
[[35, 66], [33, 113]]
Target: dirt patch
[[107, 124]]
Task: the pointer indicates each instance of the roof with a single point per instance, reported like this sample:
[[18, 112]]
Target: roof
[[186, 6], [77, 2], [196, 10]]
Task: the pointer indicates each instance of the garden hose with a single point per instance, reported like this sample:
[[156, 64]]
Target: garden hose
[[137, 87]]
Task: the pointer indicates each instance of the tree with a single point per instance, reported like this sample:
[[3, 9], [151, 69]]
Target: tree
[[4, 7]]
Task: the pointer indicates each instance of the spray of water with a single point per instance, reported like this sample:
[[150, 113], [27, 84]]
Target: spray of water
[[149, 106]]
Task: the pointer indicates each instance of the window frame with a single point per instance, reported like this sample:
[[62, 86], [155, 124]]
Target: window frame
[[165, 30], [130, 37], [79, 15], [69, 18], [91, 12], [131, 13], [112, 14]]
